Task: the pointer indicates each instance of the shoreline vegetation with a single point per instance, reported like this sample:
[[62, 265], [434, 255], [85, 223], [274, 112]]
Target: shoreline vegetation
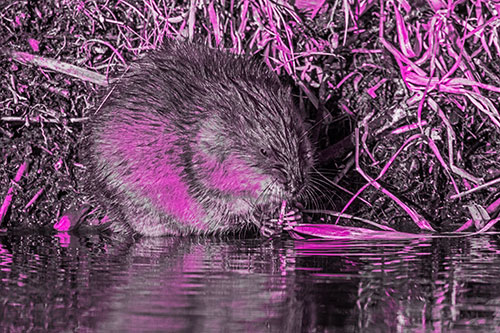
[[403, 98]]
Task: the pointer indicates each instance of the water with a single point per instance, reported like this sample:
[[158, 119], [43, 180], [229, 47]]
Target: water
[[214, 285]]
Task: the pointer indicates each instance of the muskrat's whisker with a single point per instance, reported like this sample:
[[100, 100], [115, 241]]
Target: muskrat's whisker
[[307, 199], [321, 182], [330, 182], [314, 199], [323, 189], [314, 189]]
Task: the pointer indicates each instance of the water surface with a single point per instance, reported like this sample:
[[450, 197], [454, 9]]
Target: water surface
[[233, 285]]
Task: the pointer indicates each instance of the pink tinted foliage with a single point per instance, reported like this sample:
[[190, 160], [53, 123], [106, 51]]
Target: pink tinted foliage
[[416, 217], [336, 232], [311, 7], [58, 164], [407, 128], [8, 197], [33, 199], [19, 18], [493, 207], [372, 90], [71, 217], [404, 40], [35, 44], [244, 18], [63, 224], [434, 43], [215, 22], [437, 153]]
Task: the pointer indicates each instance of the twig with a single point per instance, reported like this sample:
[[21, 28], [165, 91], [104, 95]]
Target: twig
[[8, 197], [37, 194], [348, 216], [60, 67], [477, 188], [37, 119]]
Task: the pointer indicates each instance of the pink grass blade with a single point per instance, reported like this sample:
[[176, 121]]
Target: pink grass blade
[[402, 31], [9, 196], [336, 232], [36, 196], [493, 207], [445, 166], [243, 18], [214, 20]]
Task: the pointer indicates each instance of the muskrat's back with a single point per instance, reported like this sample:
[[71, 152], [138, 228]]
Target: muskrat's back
[[196, 140]]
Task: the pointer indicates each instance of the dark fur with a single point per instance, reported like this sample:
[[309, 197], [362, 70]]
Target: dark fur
[[178, 108]]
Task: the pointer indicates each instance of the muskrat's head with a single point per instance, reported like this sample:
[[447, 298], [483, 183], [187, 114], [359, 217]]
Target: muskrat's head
[[253, 143]]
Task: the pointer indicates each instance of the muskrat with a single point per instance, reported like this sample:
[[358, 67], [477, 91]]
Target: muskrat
[[194, 140]]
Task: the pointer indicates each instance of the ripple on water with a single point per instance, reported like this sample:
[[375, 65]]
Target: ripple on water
[[212, 285]]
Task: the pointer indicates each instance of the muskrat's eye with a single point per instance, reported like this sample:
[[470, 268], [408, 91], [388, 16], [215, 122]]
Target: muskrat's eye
[[263, 152]]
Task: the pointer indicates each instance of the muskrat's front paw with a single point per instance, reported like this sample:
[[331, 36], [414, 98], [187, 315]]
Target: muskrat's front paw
[[270, 228], [292, 218], [274, 227]]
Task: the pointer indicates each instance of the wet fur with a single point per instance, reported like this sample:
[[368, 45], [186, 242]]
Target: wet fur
[[187, 124]]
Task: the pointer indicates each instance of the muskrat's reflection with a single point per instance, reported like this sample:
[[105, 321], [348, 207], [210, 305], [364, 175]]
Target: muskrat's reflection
[[203, 284]]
